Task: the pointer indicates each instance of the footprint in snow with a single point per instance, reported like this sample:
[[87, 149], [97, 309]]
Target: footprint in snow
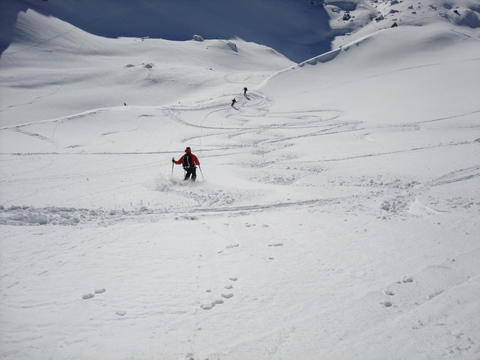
[[387, 303], [92, 295], [190, 356], [209, 305]]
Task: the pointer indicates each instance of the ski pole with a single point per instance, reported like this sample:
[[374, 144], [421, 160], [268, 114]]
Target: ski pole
[[173, 159], [201, 172]]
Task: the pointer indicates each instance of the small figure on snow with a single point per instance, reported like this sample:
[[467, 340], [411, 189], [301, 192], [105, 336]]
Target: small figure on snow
[[234, 101], [245, 91], [189, 163]]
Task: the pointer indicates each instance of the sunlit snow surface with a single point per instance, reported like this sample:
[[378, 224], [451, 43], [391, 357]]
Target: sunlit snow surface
[[335, 216]]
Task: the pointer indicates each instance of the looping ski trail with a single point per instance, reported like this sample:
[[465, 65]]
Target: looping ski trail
[[252, 134], [254, 116]]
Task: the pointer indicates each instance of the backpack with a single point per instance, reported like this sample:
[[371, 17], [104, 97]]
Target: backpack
[[187, 161]]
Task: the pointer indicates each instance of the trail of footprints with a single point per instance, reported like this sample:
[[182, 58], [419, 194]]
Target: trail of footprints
[[430, 282], [92, 295], [225, 295], [228, 294], [99, 291], [206, 305]]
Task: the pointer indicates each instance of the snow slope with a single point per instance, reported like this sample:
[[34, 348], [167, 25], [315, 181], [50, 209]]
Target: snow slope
[[60, 64], [336, 213]]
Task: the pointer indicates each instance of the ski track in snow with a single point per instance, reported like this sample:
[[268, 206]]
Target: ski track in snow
[[240, 126]]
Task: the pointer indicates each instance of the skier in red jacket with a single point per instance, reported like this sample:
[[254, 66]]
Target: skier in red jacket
[[189, 162]]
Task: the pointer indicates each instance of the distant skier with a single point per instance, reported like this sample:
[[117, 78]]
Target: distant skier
[[189, 163], [234, 101], [245, 91]]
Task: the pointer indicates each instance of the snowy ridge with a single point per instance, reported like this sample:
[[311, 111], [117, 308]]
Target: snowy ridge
[[294, 28]]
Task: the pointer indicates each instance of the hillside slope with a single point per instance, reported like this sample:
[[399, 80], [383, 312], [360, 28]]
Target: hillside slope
[[50, 60], [336, 212]]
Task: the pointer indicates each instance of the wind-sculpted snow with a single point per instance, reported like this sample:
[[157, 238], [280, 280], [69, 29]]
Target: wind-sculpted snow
[[356, 19]]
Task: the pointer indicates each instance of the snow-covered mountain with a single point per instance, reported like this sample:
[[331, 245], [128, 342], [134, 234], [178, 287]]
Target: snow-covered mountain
[[297, 29], [336, 209]]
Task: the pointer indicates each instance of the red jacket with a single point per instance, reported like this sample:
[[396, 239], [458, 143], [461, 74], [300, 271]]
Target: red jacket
[[194, 161]]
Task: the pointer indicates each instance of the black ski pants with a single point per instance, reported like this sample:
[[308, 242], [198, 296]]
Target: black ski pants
[[191, 172]]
